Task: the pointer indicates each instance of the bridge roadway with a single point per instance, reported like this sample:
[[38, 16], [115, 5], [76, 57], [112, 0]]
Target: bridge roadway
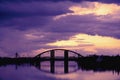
[[58, 58]]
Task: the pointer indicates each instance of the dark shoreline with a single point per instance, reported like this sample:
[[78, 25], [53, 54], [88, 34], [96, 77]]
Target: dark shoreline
[[92, 62]]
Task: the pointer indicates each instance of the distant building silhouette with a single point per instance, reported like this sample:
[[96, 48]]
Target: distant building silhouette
[[16, 55]]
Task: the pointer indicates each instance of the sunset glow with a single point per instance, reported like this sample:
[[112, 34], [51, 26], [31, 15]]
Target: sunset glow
[[88, 42], [96, 8]]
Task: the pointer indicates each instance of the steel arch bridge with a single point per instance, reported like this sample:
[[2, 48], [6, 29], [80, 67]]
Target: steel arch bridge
[[52, 55], [52, 52]]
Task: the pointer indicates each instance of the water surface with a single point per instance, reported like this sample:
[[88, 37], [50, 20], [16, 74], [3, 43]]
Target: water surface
[[30, 72]]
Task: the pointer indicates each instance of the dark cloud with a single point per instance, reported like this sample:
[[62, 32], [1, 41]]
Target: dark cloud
[[24, 15], [41, 0], [26, 23], [88, 24], [12, 10], [76, 1]]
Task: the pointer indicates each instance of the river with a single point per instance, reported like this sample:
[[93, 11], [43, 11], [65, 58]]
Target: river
[[30, 72]]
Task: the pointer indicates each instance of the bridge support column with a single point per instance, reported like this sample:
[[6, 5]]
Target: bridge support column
[[66, 61], [78, 61], [52, 61]]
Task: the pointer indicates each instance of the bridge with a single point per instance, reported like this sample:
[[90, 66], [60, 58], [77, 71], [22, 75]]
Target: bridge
[[57, 55]]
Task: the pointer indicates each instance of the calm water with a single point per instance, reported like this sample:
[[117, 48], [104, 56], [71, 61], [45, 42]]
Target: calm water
[[43, 72]]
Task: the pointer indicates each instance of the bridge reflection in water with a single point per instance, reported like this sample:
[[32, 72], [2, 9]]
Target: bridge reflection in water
[[54, 57]]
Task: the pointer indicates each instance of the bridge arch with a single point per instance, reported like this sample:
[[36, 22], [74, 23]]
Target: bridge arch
[[65, 51], [53, 58]]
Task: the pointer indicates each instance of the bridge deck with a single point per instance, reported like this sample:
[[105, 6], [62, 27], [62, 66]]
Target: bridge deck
[[57, 58]]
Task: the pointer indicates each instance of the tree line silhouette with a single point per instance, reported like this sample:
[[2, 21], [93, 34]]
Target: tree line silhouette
[[91, 62]]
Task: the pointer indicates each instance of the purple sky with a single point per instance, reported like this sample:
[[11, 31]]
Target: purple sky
[[29, 26]]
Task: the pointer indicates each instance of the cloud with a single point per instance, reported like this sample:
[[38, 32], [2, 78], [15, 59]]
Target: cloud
[[89, 24], [27, 43], [27, 26], [90, 18], [32, 9], [76, 1], [95, 8], [24, 16], [88, 42]]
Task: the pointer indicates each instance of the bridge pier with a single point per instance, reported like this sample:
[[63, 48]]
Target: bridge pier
[[52, 61], [66, 61]]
